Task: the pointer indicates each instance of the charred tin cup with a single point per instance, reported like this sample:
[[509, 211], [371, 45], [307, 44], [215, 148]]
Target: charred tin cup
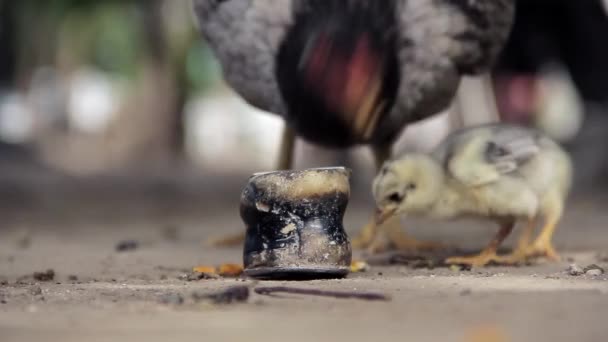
[[294, 224]]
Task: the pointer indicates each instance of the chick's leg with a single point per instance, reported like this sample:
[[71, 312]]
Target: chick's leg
[[378, 238], [520, 254], [543, 246], [488, 254], [381, 238], [285, 162]]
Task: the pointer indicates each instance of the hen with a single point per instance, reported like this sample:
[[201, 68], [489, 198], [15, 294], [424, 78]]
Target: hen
[[351, 72]]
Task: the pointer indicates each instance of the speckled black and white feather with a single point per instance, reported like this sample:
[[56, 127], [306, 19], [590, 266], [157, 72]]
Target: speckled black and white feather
[[438, 41], [245, 36]]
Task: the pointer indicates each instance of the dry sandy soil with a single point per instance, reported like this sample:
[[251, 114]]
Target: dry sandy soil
[[99, 294]]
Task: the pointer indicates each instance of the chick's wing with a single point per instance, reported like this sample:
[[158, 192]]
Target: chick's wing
[[480, 156]]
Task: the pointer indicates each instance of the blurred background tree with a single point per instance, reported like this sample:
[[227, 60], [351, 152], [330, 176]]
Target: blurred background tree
[[108, 79]]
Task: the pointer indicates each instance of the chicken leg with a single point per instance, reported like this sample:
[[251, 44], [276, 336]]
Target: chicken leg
[[488, 254], [378, 238], [543, 246], [521, 252], [284, 162]]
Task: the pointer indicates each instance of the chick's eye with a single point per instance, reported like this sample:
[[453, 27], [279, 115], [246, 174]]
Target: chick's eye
[[395, 197], [410, 187]]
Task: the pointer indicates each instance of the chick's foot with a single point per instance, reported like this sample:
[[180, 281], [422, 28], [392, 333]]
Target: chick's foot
[[390, 236], [479, 260], [542, 248]]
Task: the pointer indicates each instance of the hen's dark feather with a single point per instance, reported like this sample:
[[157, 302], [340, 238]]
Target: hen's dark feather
[[435, 43]]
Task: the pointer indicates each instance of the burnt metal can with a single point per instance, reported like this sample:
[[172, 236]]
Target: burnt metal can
[[294, 222]]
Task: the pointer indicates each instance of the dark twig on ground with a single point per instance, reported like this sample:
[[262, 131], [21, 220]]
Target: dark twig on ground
[[314, 292]]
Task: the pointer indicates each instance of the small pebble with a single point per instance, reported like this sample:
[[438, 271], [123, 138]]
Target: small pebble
[[36, 291], [127, 246], [455, 268], [48, 275], [466, 292], [575, 270], [594, 270], [171, 299]]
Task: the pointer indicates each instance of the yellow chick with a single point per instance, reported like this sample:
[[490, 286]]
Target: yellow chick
[[502, 172]]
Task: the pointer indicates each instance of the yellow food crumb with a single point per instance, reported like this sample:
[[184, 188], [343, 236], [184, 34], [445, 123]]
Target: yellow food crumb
[[486, 333], [230, 270], [359, 266], [205, 269]]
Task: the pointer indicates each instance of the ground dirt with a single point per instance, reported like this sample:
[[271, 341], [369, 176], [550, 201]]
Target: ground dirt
[[100, 294]]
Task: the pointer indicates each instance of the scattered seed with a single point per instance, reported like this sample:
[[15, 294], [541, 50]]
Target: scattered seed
[[127, 246], [205, 269], [230, 270], [455, 268], [48, 275], [359, 266]]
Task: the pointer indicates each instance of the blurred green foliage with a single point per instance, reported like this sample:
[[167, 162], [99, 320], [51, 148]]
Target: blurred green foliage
[[113, 35]]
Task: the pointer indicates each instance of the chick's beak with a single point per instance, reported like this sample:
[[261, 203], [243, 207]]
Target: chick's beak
[[384, 214]]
